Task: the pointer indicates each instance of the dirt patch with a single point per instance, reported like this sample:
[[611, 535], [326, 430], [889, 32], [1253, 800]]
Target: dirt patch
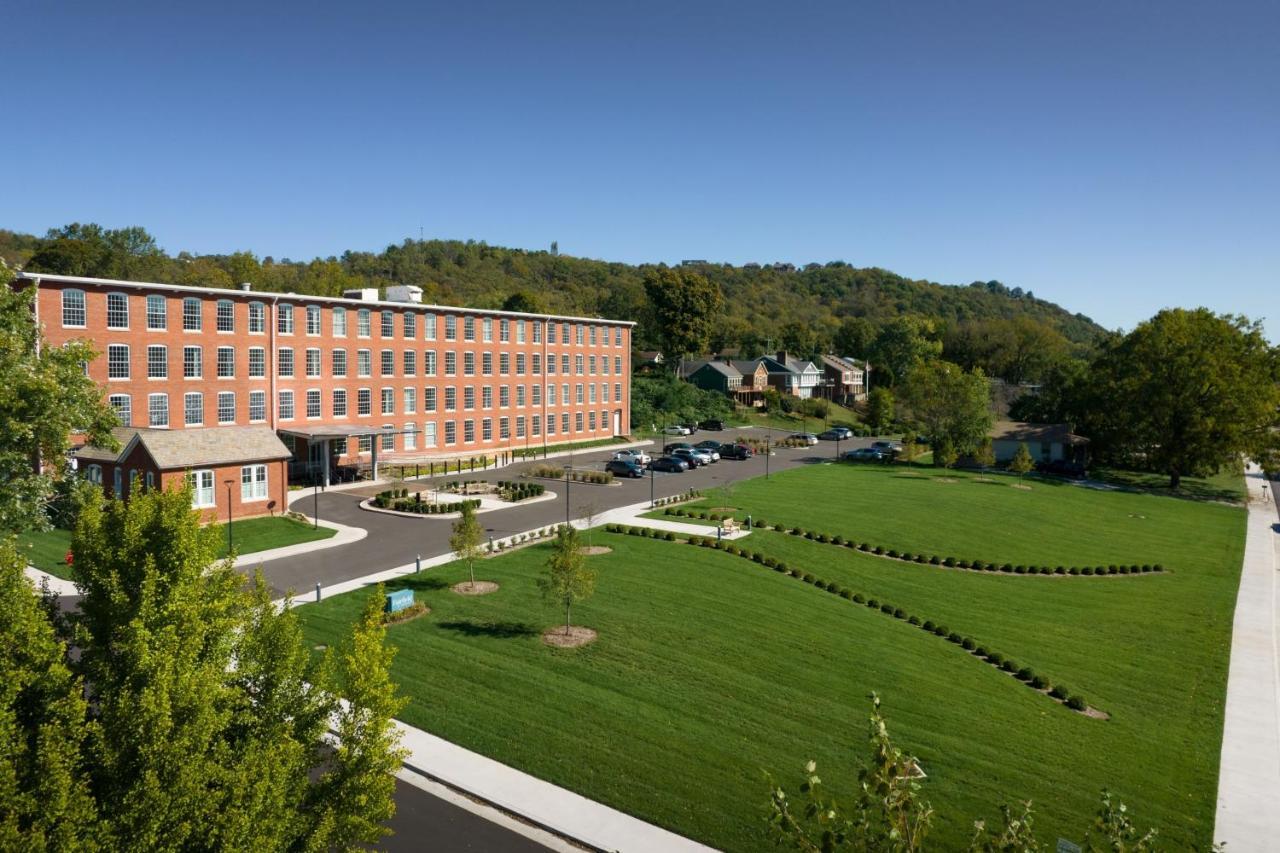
[[477, 588], [945, 480], [593, 550], [1096, 714], [983, 480], [577, 636], [1022, 486], [723, 509]]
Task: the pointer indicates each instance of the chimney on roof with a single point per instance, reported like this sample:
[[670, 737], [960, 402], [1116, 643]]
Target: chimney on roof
[[782, 356], [246, 286]]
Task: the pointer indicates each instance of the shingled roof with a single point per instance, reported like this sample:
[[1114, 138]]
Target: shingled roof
[[1028, 432], [190, 448]]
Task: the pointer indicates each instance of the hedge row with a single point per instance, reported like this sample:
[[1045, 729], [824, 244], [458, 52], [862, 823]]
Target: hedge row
[[519, 491], [532, 536], [933, 560], [421, 507], [553, 473], [1024, 674], [683, 496]]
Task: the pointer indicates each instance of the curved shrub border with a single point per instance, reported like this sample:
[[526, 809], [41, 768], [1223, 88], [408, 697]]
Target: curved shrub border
[[931, 559], [1024, 674]]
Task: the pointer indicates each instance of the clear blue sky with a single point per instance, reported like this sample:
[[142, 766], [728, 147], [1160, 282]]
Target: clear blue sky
[[1114, 157]]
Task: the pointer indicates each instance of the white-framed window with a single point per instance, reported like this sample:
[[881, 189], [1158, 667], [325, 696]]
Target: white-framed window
[[364, 443], [226, 316], [429, 434], [387, 363], [519, 426], [519, 331], [118, 484], [564, 363], [429, 327], [158, 410], [450, 328], [364, 362], [257, 362], [193, 408], [192, 316], [519, 396], [257, 318], [428, 400], [410, 361], [617, 336], [577, 365], [157, 361], [468, 431], [521, 363], [450, 363], [364, 323], [617, 392], [338, 359], [577, 421], [551, 395], [617, 364], [468, 328], [117, 311], [93, 474], [284, 362], [468, 364], [313, 319], [257, 406], [226, 362], [117, 361], [551, 339], [192, 362], [410, 397], [313, 403], [535, 429], [74, 315], [486, 429], [429, 362], [364, 402], [504, 363], [504, 429], [486, 363], [410, 434], [450, 399], [122, 404], [504, 396], [577, 337], [537, 335], [410, 325], [486, 397], [535, 394], [226, 407], [388, 401], [487, 330], [593, 335], [339, 402], [469, 397], [450, 433], [157, 313], [284, 318], [388, 437], [313, 362], [339, 320], [253, 483], [387, 326], [285, 400], [202, 491]]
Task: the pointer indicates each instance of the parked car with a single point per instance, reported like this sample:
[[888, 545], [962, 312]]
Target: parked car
[[676, 445], [736, 451], [1062, 468], [712, 447], [669, 464], [845, 432], [694, 457], [623, 468], [835, 434], [865, 454], [675, 429], [807, 437], [637, 456], [888, 448], [712, 425]]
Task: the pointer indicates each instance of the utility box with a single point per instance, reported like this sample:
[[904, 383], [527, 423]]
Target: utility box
[[399, 600]]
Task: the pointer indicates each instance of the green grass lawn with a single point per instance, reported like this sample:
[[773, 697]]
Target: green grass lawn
[[261, 534], [1227, 485], [711, 670], [47, 550]]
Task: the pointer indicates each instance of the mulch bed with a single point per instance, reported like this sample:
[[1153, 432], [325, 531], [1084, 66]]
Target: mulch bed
[[593, 550], [577, 636], [478, 588]]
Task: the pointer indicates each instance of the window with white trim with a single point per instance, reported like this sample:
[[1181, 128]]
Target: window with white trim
[[285, 399], [257, 362], [468, 431], [192, 316], [388, 437], [157, 313], [202, 489], [158, 410], [486, 397], [537, 334], [122, 404], [387, 363], [469, 397], [388, 401], [504, 429], [364, 402], [338, 358], [117, 311], [284, 362], [450, 399], [450, 432], [519, 331], [74, 315], [519, 426], [468, 328], [157, 361], [429, 327], [338, 318], [429, 362], [226, 362], [504, 363], [226, 407], [504, 330], [388, 324], [486, 429], [313, 362], [226, 316], [313, 403], [536, 427], [410, 434], [284, 318], [364, 443], [428, 400], [429, 434], [253, 483], [257, 318], [257, 406], [364, 323], [339, 402], [450, 327], [313, 319], [117, 361], [364, 362], [193, 408], [486, 330], [521, 363], [410, 399], [192, 362], [450, 363], [486, 363], [410, 362], [93, 474], [504, 396], [551, 339], [410, 325]]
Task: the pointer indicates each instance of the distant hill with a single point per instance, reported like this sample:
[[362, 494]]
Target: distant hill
[[765, 306]]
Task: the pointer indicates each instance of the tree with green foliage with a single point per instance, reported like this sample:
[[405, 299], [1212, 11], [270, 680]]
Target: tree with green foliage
[[949, 403], [1187, 393], [901, 345], [44, 397], [525, 302], [880, 409], [1022, 463], [853, 337], [944, 453], [466, 539], [568, 579], [205, 718], [91, 250], [685, 307], [984, 455]]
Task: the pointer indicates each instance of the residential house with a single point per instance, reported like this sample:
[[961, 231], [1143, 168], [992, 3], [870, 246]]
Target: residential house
[[794, 376], [844, 378], [1047, 442], [715, 375], [755, 379]]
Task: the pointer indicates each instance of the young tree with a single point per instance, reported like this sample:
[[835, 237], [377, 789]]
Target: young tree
[[567, 579], [205, 718], [949, 403], [880, 409], [466, 539], [1022, 462], [985, 455], [944, 453], [587, 511], [44, 397]]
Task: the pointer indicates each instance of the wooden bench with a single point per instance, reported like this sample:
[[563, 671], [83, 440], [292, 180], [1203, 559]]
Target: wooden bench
[[729, 526]]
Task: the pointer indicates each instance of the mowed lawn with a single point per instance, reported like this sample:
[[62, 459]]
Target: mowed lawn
[[711, 670]]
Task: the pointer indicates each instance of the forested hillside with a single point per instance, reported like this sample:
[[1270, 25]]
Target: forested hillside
[[820, 307]]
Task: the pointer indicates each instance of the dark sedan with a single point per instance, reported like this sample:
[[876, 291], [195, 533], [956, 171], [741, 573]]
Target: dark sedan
[[669, 464], [736, 451], [623, 468]]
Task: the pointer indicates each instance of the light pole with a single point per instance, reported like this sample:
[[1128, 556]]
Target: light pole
[[568, 475], [229, 541], [315, 505], [651, 501]]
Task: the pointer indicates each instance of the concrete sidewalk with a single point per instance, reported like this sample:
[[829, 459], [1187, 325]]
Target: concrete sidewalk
[[345, 536], [1248, 816]]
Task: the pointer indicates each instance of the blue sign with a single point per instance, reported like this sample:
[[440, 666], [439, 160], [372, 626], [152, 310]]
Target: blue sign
[[399, 600]]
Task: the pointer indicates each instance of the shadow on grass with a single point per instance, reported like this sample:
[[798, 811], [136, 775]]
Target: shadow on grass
[[421, 582], [502, 630]]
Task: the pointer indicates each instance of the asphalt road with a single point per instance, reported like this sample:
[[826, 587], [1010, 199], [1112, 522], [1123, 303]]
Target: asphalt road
[[395, 541], [423, 821]]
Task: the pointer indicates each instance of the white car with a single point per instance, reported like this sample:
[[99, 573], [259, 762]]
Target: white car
[[637, 456], [675, 429], [807, 437]]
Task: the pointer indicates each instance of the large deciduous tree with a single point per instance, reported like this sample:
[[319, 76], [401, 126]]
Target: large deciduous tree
[[1186, 393], [900, 345], [685, 305], [44, 397], [205, 718], [949, 403]]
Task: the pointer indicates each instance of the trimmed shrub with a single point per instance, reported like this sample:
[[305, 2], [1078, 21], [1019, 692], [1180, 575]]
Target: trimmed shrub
[[1087, 570], [1045, 570], [1075, 570], [808, 578], [1020, 570], [847, 594], [1058, 691], [920, 558], [858, 599], [781, 528], [928, 625], [873, 603], [892, 553], [934, 561], [863, 546], [1112, 570], [823, 538], [837, 540], [964, 564], [879, 550], [899, 613], [908, 556], [1039, 682], [1009, 666], [950, 562], [1025, 674], [980, 651], [886, 608], [670, 537], [914, 620], [995, 658], [940, 630], [796, 531], [1075, 702], [1060, 571], [968, 644]]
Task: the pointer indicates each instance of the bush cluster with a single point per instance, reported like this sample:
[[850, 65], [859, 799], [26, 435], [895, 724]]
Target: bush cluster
[[515, 491]]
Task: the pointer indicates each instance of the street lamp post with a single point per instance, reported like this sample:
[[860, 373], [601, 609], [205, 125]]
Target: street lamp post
[[568, 475], [229, 540], [315, 505], [651, 501]]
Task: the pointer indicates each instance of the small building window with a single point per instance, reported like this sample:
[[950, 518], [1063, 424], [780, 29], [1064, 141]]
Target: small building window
[[193, 408], [257, 318], [257, 406], [123, 406], [157, 361], [117, 361], [226, 316], [253, 483], [202, 491], [158, 410], [117, 311], [284, 318], [74, 315], [192, 320], [226, 407]]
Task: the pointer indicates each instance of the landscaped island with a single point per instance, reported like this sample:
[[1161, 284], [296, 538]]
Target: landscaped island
[[712, 669]]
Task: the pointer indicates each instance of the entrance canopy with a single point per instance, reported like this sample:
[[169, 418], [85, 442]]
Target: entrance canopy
[[330, 432]]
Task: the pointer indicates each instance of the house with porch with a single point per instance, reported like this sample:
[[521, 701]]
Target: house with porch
[[844, 378]]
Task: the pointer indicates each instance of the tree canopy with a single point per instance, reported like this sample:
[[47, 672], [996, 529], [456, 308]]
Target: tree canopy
[[953, 406]]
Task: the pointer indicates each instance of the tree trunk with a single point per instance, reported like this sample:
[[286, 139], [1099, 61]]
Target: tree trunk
[[567, 605], [471, 566], [1175, 478]]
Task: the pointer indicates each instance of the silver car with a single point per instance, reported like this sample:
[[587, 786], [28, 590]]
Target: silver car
[[637, 456], [806, 437]]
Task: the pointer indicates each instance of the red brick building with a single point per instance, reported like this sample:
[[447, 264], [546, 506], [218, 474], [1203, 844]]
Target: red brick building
[[344, 381]]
